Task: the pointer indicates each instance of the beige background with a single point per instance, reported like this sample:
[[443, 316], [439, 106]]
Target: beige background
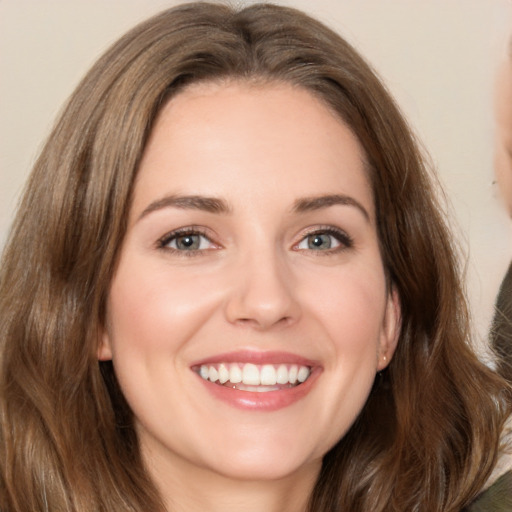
[[437, 56]]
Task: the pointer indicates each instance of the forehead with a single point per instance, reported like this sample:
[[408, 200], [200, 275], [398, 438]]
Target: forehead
[[257, 138]]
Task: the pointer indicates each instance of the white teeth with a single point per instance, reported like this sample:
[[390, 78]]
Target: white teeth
[[235, 374], [223, 374], [266, 376], [251, 375], [203, 371], [303, 374], [257, 389], [213, 374], [282, 374], [292, 374]]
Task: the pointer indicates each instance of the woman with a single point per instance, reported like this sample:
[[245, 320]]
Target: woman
[[229, 286]]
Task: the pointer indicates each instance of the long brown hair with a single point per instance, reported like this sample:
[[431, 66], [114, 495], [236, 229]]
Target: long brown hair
[[427, 438]]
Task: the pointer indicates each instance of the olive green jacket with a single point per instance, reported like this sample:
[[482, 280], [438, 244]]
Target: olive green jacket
[[501, 330], [498, 498]]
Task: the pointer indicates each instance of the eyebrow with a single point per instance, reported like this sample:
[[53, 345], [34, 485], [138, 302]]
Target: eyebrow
[[308, 204], [206, 204], [220, 206]]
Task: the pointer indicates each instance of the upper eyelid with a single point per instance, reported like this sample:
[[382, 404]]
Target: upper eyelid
[[188, 230], [345, 237], [323, 229]]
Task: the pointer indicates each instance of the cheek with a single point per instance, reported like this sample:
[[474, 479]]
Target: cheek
[[351, 308], [156, 310], [350, 314], [503, 172]]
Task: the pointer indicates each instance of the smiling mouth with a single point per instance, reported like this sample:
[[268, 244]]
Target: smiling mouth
[[252, 377]]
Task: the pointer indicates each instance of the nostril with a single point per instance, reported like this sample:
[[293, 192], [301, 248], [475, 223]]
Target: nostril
[[262, 298], [261, 323]]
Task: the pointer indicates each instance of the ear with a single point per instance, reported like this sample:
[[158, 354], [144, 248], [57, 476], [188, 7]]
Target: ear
[[104, 352], [391, 327]]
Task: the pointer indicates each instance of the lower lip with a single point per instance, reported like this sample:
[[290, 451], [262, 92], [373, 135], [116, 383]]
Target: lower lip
[[262, 401]]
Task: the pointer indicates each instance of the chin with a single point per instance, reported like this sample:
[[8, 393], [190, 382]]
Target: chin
[[264, 459], [259, 469]]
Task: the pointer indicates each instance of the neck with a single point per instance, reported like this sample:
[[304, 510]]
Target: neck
[[187, 488]]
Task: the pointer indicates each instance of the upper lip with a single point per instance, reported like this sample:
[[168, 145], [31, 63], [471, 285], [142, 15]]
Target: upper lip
[[257, 357]]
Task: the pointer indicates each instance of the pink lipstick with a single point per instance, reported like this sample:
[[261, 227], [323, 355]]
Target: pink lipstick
[[258, 380]]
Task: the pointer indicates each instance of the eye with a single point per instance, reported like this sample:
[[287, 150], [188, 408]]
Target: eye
[[186, 240], [325, 240]]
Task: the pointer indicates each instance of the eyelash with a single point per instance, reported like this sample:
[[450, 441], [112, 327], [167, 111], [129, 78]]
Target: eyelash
[[163, 243], [345, 241]]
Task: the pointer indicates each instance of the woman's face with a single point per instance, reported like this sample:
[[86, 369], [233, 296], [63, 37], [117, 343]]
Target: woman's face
[[249, 312], [503, 117]]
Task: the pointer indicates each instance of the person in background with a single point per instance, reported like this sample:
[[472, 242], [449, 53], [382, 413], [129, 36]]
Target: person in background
[[501, 331], [498, 496]]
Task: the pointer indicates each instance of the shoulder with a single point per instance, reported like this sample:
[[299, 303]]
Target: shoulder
[[505, 288], [501, 330], [504, 298], [497, 498]]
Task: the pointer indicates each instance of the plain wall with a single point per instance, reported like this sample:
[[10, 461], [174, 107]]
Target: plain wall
[[437, 57]]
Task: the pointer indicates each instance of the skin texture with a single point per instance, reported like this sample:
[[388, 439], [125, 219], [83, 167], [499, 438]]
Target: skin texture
[[254, 285], [503, 117]]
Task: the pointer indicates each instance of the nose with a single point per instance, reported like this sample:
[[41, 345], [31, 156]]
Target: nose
[[263, 294]]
